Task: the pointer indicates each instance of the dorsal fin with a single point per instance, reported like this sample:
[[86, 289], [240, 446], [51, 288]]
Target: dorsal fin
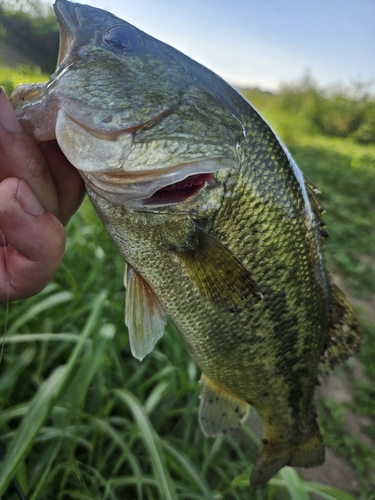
[[344, 335], [144, 315], [219, 411], [317, 207], [217, 272]]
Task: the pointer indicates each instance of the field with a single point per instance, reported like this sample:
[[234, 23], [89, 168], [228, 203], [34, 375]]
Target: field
[[81, 419]]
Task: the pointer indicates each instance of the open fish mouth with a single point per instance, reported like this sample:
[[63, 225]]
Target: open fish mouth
[[180, 191], [173, 185], [108, 168]]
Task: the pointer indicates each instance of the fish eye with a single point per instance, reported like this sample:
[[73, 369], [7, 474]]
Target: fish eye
[[121, 38]]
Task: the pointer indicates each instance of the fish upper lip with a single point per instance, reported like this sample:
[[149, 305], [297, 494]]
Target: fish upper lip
[[66, 15], [68, 22]]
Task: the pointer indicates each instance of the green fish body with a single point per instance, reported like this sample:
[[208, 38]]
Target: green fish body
[[218, 226]]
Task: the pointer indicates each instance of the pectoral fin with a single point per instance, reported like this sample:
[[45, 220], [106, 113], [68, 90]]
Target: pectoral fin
[[219, 411], [217, 272], [144, 315], [344, 332]]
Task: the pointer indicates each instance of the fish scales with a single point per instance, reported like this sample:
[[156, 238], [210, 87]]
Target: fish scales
[[218, 226]]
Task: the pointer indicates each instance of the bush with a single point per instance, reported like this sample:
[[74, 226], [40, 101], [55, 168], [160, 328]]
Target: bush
[[336, 112], [35, 33]]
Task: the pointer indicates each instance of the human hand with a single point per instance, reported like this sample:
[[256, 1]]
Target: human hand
[[39, 191]]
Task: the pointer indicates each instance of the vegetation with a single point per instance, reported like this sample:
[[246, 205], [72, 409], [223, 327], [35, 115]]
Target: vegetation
[[333, 112], [28, 26], [11, 77], [81, 419]]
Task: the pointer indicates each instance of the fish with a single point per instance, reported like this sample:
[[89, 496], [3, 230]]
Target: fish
[[218, 226]]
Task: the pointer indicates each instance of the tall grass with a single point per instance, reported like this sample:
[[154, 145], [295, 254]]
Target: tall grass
[[81, 419], [11, 77]]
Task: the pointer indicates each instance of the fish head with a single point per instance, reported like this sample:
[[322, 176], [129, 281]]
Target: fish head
[[142, 122]]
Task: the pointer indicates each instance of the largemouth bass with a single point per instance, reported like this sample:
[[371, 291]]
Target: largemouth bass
[[218, 226]]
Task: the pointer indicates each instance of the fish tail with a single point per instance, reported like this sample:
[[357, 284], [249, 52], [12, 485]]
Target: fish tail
[[272, 457]]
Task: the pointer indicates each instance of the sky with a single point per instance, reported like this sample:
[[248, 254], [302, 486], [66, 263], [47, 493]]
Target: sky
[[263, 43]]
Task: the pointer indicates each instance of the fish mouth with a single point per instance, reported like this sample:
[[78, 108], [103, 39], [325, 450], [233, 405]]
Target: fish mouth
[[174, 185], [179, 191], [108, 168]]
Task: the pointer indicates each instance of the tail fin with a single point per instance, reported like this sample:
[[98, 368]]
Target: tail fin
[[272, 457]]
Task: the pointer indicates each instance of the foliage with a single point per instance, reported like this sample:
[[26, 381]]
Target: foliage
[[102, 424], [359, 455], [11, 77], [34, 32], [334, 112], [80, 418]]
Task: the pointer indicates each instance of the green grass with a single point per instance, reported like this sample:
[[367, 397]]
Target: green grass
[[81, 419], [11, 77], [101, 424]]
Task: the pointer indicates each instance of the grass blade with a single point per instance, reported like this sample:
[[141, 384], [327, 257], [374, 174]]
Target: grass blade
[[294, 484], [42, 337], [43, 305], [38, 411], [41, 405], [189, 469], [152, 443], [327, 492]]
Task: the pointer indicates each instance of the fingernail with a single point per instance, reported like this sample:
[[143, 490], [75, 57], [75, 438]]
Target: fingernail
[[8, 117], [28, 201]]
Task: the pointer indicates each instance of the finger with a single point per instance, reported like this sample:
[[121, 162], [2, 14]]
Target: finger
[[35, 242], [20, 157], [69, 184], [7, 115]]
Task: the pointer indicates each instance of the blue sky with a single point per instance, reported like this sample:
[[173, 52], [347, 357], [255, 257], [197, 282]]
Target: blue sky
[[263, 42]]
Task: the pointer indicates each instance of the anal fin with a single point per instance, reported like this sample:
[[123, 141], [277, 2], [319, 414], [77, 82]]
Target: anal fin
[[144, 315], [219, 411], [344, 336]]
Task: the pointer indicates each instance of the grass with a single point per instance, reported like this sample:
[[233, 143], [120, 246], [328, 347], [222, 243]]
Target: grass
[[11, 77], [81, 419], [102, 424]]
